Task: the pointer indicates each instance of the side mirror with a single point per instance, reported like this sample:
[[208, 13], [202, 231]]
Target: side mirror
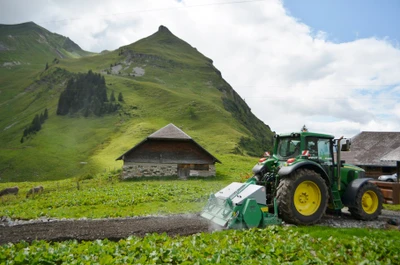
[[346, 146]]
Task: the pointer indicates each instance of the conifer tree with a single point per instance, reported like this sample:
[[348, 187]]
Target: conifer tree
[[120, 97], [112, 97], [36, 123], [41, 118]]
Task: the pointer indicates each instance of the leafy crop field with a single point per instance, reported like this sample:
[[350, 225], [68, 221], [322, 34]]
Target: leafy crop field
[[103, 195], [273, 245], [113, 200]]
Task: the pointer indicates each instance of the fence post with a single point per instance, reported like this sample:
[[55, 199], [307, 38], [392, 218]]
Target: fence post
[[398, 171]]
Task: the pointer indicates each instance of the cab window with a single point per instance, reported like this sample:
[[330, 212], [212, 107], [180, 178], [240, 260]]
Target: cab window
[[319, 149], [288, 147]]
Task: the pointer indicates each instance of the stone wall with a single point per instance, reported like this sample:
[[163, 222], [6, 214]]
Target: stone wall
[[132, 170], [203, 173]]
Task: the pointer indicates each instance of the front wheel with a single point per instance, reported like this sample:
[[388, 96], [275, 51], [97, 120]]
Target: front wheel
[[302, 197], [368, 203]]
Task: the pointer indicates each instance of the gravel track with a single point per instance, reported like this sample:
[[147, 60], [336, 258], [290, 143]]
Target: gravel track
[[117, 228]]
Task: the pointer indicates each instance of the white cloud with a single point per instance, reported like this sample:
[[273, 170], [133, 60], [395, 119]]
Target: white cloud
[[288, 73]]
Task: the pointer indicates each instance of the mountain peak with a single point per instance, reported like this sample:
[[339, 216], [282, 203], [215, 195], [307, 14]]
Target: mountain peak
[[163, 29]]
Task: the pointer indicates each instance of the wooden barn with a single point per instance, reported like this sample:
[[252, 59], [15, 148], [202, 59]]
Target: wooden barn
[[372, 150], [168, 152]]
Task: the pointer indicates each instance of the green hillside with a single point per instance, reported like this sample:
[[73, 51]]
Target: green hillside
[[162, 79], [24, 51]]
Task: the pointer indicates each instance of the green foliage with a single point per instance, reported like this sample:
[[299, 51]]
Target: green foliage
[[105, 196], [87, 93], [120, 97], [36, 125], [253, 147], [261, 135], [273, 245], [99, 195], [393, 207], [112, 96], [192, 113]]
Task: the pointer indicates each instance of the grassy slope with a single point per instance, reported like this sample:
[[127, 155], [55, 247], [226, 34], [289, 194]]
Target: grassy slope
[[30, 47], [182, 89]]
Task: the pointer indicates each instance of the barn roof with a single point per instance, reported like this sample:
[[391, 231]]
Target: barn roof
[[392, 156], [169, 133], [374, 149]]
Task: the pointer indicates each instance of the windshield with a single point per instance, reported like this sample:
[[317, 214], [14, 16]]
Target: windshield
[[288, 147]]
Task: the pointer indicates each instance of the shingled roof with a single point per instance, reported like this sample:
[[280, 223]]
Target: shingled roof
[[374, 149], [169, 132], [392, 156]]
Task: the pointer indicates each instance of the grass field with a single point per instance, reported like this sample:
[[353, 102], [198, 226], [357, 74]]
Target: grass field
[[103, 195]]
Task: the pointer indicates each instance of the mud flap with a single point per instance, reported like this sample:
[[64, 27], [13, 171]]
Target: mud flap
[[349, 196]]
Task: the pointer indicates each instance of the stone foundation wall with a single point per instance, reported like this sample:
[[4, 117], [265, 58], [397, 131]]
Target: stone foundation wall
[[134, 170], [203, 173]]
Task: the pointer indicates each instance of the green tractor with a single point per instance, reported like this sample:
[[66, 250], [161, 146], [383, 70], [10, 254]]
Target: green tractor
[[298, 183]]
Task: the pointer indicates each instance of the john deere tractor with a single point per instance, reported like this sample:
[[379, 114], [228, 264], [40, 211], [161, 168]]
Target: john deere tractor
[[298, 183]]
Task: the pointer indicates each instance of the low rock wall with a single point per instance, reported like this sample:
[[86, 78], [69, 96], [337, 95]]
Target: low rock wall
[[134, 170]]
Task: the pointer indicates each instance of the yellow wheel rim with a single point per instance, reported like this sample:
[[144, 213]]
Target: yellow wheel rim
[[307, 198], [369, 202]]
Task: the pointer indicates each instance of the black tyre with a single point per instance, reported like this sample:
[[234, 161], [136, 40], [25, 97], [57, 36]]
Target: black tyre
[[302, 197], [368, 203]]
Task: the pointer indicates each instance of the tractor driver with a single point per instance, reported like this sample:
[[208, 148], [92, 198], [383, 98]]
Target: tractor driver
[[312, 147]]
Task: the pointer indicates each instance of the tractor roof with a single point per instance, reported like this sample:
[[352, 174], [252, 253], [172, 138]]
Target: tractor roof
[[305, 134]]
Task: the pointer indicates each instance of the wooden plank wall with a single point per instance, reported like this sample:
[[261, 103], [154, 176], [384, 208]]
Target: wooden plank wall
[[390, 191]]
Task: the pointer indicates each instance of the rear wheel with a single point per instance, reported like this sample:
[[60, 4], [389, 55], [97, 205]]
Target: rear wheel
[[302, 197], [368, 203]]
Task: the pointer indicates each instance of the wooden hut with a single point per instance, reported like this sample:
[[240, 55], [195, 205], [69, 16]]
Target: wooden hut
[[168, 152]]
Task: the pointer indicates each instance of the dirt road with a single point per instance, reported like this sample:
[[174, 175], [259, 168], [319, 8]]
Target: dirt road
[[113, 229], [117, 228]]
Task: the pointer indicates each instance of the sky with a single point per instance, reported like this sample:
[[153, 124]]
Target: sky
[[333, 66]]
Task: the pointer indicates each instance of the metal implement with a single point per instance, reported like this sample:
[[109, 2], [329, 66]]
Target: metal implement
[[239, 205]]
